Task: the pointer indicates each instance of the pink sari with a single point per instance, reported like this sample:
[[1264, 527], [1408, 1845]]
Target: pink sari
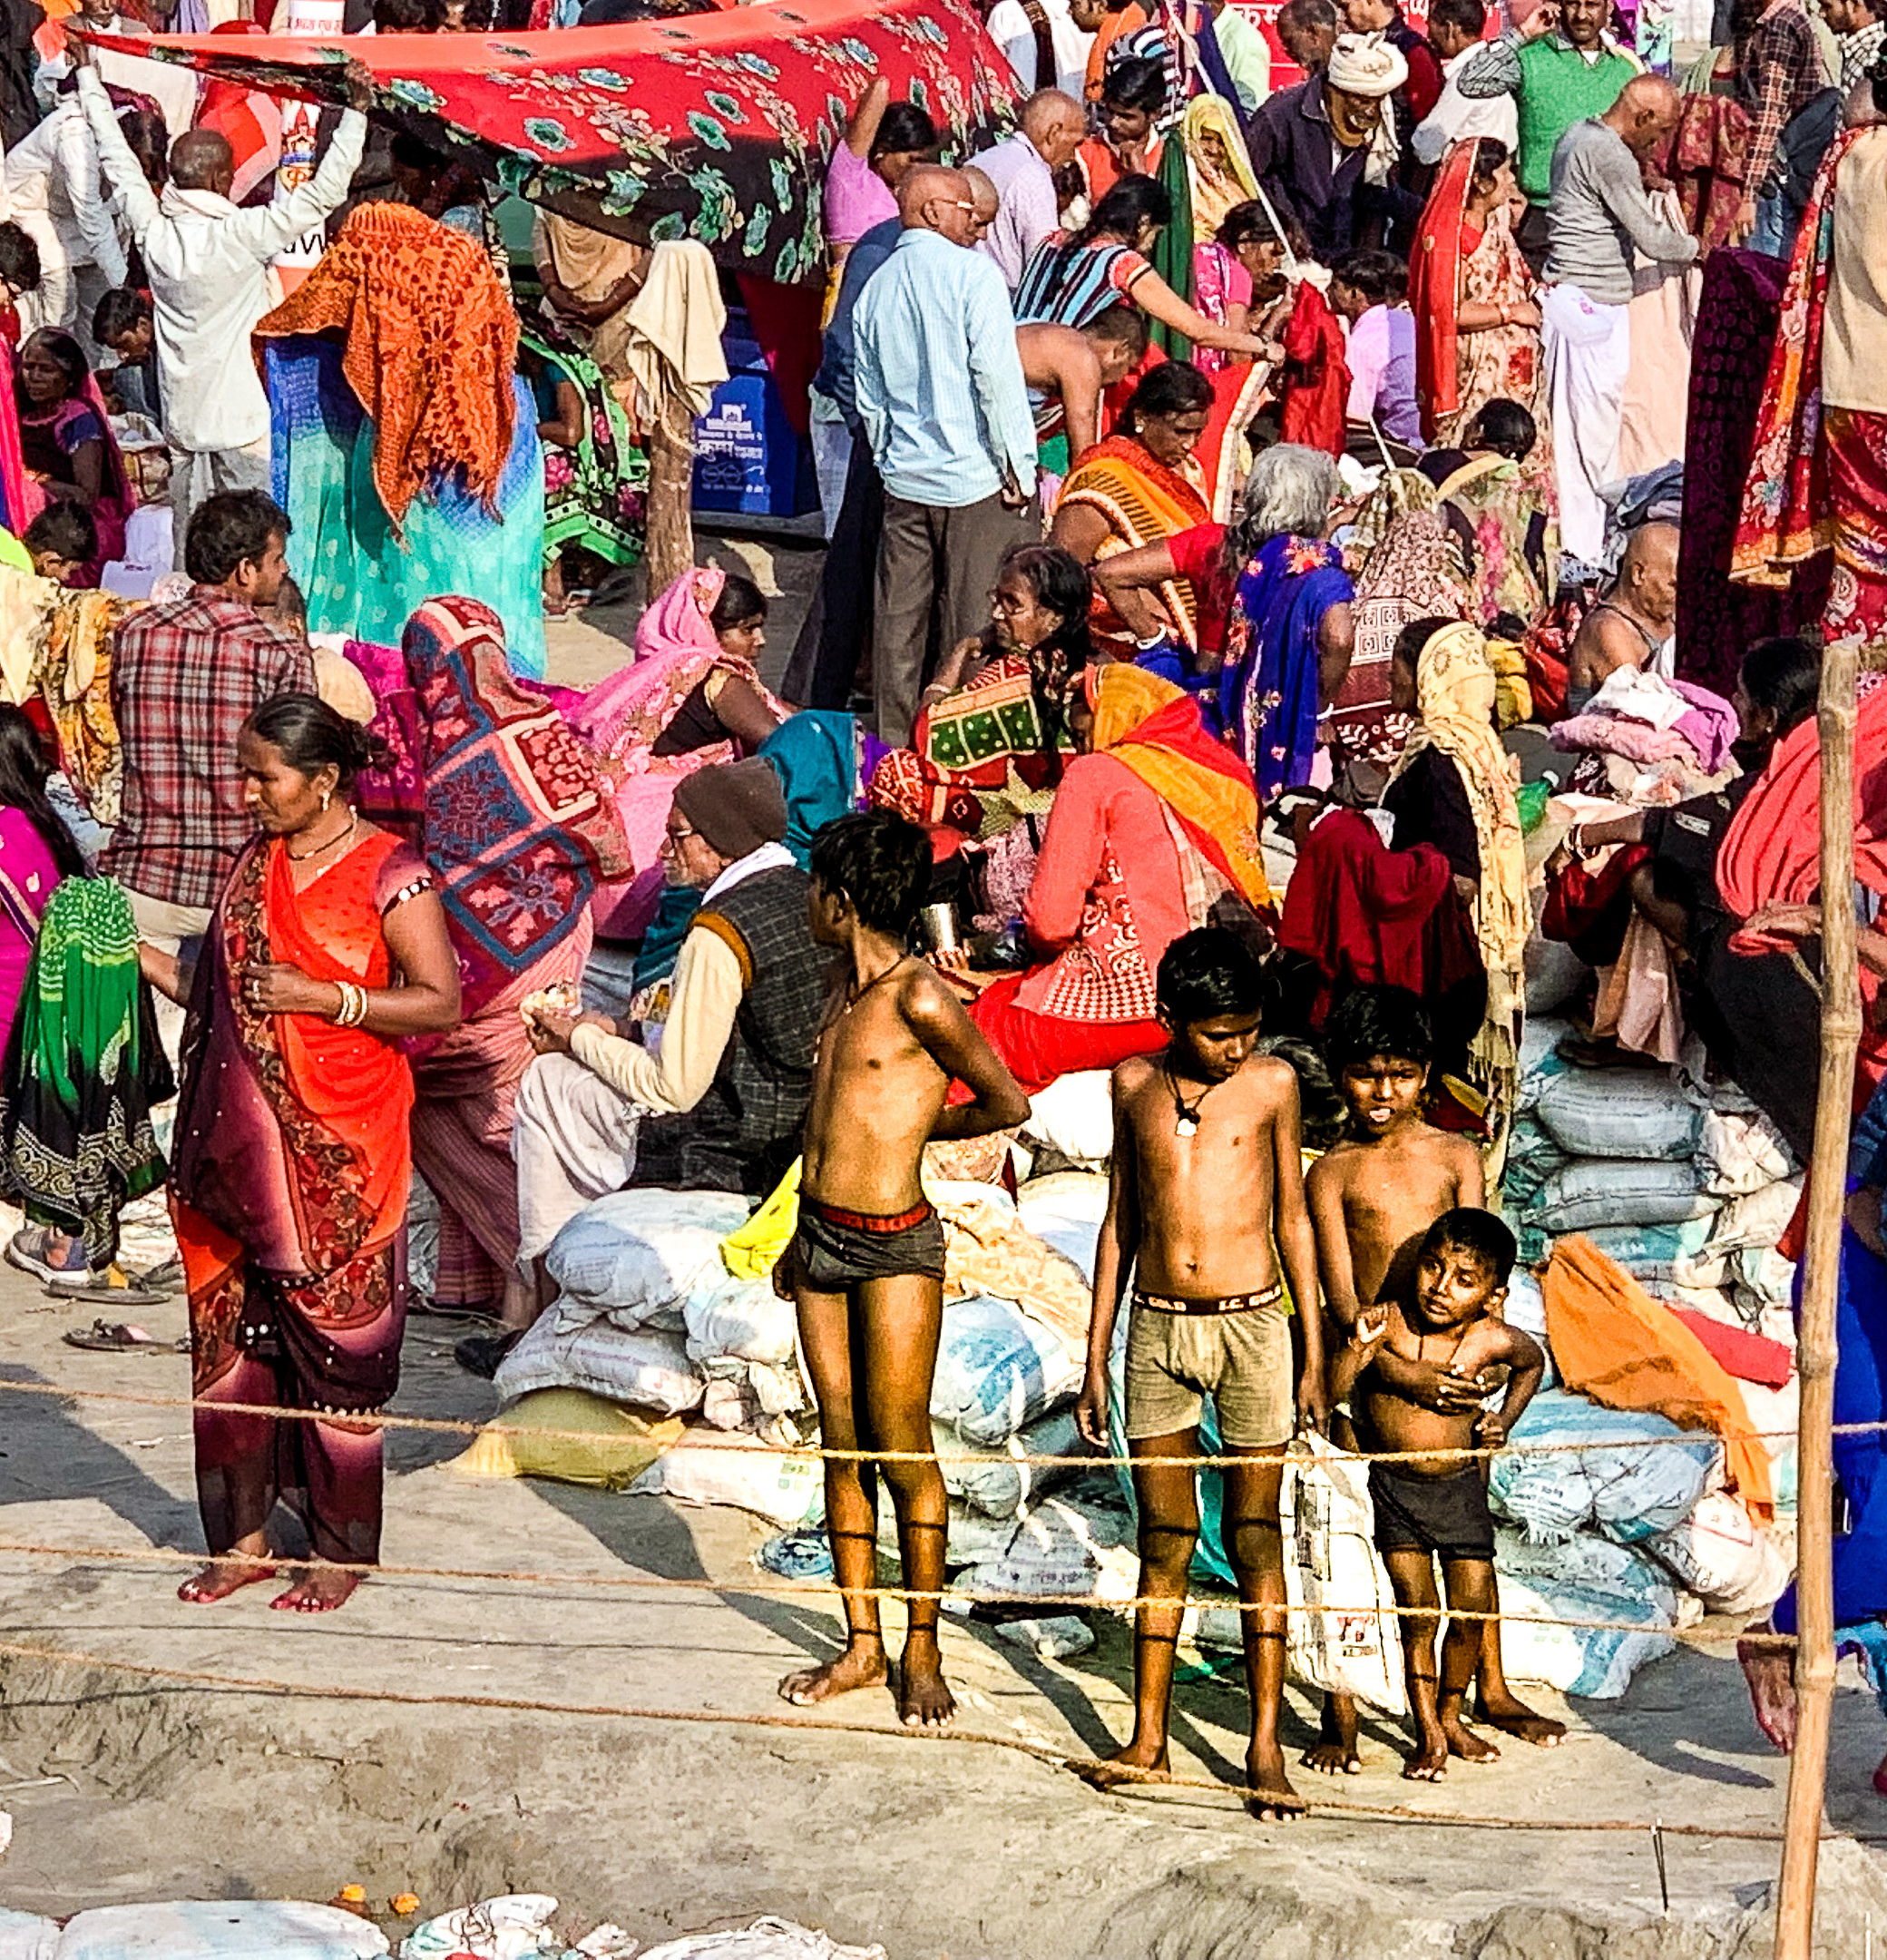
[[25, 494], [626, 715]]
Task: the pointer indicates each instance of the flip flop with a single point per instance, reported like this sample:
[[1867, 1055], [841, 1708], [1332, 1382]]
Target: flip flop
[[110, 1291], [103, 1337]]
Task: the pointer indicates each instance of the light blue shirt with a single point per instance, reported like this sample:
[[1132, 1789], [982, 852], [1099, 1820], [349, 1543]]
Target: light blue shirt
[[937, 377]]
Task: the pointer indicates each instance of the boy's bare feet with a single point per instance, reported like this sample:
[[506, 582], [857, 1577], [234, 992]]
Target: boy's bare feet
[[320, 1589], [923, 1698], [1335, 1751], [862, 1665], [1768, 1663], [221, 1578], [1463, 1742], [1133, 1764], [1511, 1716], [1428, 1761], [1272, 1799]]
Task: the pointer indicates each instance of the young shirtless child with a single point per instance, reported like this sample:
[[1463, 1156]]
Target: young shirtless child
[[1435, 1506], [866, 1264], [1208, 1190], [1372, 1198]]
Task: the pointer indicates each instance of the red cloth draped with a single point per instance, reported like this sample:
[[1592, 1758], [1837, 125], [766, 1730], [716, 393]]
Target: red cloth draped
[[1316, 377], [1434, 286]]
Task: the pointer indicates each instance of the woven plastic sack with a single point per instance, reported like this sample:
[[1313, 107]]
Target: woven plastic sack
[[234, 1929], [743, 1317], [640, 1253], [765, 1939], [1585, 1579], [1066, 1210], [570, 1436], [27, 1936], [1618, 1190], [1619, 1112], [741, 1472], [1074, 1116], [998, 1370], [1731, 1565], [1343, 1636], [646, 1368], [1000, 1489]]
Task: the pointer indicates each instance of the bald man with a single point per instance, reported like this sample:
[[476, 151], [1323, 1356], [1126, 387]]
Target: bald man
[[208, 262], [1635, 624], [939, 389], [1599, 211], [1023, 173]]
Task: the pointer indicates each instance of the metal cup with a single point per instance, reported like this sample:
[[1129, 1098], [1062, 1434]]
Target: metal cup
[[939, 922]]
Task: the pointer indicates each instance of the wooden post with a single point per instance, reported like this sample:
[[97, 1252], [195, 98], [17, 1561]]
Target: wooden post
[[671, 538], [1814, 1589]]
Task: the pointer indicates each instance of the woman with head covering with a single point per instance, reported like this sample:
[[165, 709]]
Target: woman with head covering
[[1477, 320], [406, 449], [67, 450], [1289, 636], [691, 697], [1153, 821], [1454, 788], [520, 829], [1138, 487], [326, 951], [1238, 274]]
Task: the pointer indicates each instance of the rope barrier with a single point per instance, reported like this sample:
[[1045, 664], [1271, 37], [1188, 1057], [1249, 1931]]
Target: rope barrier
[[705, 1439], [742, 1718], [824, 1588]]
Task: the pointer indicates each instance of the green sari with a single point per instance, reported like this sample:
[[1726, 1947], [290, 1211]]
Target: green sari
[[596, 496]]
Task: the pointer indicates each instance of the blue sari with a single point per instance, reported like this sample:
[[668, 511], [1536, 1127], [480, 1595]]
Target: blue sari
[[360, 577], [1269, 688]]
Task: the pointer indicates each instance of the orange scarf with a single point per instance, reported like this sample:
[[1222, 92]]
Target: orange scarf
[[431, 342], [1434, 285]]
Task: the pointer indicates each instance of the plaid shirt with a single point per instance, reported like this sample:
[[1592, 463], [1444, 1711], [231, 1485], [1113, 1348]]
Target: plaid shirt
[[184, 678], [1781, 68]]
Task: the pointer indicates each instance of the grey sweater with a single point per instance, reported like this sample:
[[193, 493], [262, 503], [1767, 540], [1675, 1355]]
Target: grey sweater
[[1599, 211]]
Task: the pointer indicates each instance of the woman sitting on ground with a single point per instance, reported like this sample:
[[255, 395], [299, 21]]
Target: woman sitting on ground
[[691, 697], [1500, 508], [66, 446], [1140, 487], [292, 1166]]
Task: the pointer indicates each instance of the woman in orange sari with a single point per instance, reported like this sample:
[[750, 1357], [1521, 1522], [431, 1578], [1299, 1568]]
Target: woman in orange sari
[[292, 1162], [1478, 325], [1141, 485]]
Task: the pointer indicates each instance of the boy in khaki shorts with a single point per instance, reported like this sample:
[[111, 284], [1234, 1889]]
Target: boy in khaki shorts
[[1208, 1190]]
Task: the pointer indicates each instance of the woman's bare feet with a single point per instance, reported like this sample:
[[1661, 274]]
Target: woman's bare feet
[[221, 1578], [320, 1589], [923, 1698], [862, 1665], [1134, 1764], [1511, 1716], [1768, 1663], [1334, 1753], [1272, 1799]]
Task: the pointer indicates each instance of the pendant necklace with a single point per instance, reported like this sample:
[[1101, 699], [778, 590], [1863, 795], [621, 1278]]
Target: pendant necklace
[[1186, 1115]]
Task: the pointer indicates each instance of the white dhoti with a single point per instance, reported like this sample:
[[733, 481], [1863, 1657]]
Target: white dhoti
[[1588, 350], [574, 1140]]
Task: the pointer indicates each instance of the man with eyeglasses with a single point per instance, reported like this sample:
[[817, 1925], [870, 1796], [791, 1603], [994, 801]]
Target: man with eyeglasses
[[939, 386]]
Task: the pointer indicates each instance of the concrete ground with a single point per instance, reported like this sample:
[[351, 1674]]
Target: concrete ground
[[127, 1786]]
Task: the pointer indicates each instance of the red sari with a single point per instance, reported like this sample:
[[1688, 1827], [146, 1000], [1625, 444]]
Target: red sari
[[289, 1200]]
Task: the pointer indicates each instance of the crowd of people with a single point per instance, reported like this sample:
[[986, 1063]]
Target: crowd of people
[[1296, 549]]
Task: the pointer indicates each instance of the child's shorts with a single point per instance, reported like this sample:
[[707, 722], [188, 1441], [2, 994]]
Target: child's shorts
[[1179, 1352], [835, 1249], [1445, 1516]]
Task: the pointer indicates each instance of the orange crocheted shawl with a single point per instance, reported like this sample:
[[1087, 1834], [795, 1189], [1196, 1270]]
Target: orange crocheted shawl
[[432, 341]]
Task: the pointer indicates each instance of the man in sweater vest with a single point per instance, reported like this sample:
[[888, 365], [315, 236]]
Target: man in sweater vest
[[1561, 68]]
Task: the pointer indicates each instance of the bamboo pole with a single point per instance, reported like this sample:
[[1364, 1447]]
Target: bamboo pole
[[1814, 1589]]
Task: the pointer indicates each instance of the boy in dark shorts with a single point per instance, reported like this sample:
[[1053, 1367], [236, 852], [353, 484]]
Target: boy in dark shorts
[[1208, 1190], [1435, 1506], [866, 1263]]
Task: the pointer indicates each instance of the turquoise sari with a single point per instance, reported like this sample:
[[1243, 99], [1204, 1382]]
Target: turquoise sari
[[363, 580]]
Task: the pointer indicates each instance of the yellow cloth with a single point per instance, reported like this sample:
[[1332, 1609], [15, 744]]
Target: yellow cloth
[[1199, 781], [1218, 165], [1513, 698], [573, 1437], [1613, 1342], [753, 1251], [672, 345]]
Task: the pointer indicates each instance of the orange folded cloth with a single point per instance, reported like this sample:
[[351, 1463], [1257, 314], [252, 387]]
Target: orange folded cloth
[[1613, 1342]]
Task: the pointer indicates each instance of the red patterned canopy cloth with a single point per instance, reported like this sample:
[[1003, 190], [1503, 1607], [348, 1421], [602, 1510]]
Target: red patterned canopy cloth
[[711, 126]]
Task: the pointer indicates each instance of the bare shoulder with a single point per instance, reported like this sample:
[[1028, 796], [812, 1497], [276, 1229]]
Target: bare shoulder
[[923, 995], [1272, 1079], [1132, 1078], [1332, 1170], [1460, 1153], [1514, 1345]]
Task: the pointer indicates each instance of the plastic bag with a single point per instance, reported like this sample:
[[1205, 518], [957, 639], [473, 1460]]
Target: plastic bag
[[1344, 1635], [741, 1472], [233, 1929], [1065, 1211], [515, 1927]]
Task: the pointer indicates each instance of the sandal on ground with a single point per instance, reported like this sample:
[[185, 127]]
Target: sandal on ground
[[27, 1251], [113, 1288], [105, 1337]]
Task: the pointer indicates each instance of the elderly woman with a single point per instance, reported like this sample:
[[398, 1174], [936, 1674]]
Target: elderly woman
[[1453, 789], [1289, 635], [1137, 488]]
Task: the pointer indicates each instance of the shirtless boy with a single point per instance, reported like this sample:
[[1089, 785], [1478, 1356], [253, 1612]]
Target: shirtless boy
[[1435, 1506], [1372, 1198], [866, 1263], [1208, 1190]]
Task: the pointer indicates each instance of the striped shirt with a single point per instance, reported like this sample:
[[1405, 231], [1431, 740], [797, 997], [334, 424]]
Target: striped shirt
[[937, 377], [1066, 288]]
